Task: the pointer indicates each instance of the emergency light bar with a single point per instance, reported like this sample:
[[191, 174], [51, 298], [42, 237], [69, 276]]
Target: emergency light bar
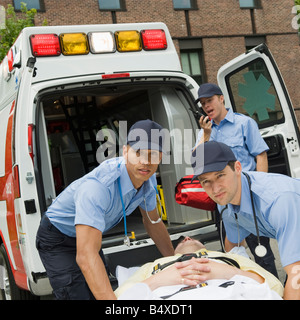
[[101, 42], [154, 39], [74, 43], [128, 41], [43, 45]]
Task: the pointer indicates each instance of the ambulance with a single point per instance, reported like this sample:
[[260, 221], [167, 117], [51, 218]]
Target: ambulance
[[69, 94]]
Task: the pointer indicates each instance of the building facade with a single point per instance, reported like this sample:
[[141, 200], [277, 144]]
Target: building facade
[[206, 33]]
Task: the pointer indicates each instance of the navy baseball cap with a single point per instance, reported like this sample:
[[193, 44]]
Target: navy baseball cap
[[146, 135], [211, 156], [207, 90]]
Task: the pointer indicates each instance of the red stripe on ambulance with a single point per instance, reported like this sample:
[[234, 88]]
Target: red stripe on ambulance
[[9, 191]]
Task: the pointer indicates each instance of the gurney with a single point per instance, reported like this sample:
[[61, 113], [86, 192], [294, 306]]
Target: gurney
[[236, 288]]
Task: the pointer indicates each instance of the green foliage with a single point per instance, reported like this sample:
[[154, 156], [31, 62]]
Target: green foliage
[[14, 26], [297, 3]]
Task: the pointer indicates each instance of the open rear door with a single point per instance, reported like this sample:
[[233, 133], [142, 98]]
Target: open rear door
[[252, 85]]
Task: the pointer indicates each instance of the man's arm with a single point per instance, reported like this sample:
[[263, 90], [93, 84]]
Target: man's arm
[[158, 232], [292, 286], [230, 245], [88, 244], [262, 162]]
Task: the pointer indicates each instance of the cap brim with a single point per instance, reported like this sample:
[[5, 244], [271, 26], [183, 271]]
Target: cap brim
[[145, 145], [210, 168]]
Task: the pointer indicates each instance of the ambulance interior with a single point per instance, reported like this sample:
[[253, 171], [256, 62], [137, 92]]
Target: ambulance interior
[[67, 127]]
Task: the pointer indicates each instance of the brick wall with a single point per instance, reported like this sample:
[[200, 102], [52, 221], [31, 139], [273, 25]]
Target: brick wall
[[222, 25]]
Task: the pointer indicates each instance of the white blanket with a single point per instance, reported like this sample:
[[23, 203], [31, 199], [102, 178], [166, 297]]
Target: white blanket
[[240, 288]]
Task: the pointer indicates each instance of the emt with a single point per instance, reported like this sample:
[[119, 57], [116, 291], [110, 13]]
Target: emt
[[70, 234], [241, 133], [267, 204]]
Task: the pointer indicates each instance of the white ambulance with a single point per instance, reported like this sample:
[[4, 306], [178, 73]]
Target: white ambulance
[[67, 93]]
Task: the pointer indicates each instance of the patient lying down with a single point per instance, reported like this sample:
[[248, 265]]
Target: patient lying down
[[210, 275]]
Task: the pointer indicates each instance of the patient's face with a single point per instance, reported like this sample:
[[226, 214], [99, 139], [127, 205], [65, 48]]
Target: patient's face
[[188, 245]]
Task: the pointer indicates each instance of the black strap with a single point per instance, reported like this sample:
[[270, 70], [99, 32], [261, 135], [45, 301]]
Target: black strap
[[253, 207], [203, 254], [184, 257], [183, 289]]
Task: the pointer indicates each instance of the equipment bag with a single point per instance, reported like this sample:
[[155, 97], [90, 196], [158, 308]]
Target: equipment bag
[[192, 194]]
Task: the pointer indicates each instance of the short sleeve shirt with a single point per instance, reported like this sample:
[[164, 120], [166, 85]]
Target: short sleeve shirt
[[242, 135], [94, 199], [277, 202]]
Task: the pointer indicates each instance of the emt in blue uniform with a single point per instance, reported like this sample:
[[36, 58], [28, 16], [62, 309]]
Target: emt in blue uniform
[[70, 234], [267, 204], [242, 135]]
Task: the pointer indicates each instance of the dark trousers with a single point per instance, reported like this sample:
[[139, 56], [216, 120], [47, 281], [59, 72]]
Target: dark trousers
[[58, 254]]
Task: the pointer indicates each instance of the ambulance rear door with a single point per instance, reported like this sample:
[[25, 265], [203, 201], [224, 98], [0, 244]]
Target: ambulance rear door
[[252, 85]]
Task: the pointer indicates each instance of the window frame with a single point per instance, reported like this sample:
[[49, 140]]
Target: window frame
[[256, 5], [199, 52], [41, 9], [122, 6], [193, 6]]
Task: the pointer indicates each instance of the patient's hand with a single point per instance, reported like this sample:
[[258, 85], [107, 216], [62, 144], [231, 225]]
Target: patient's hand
[[173, 275], [193, 270]]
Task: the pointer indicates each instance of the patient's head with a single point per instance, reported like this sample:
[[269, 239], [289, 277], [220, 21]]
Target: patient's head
[[188, 245]]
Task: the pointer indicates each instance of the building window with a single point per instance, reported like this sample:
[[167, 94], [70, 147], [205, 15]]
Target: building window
[[30, 4], [251, 42], [192, 62], [185, 4], [112, 5], [250, 4]]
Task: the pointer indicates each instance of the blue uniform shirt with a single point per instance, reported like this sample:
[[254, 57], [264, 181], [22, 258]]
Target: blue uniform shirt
[[94, 199], [277, 202], [242, 135]]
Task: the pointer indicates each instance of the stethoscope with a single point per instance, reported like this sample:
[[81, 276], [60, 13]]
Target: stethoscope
[[260, 249], [126, 238]]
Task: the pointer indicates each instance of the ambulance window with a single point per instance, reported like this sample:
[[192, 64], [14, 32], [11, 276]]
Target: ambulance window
[[252, 93]]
